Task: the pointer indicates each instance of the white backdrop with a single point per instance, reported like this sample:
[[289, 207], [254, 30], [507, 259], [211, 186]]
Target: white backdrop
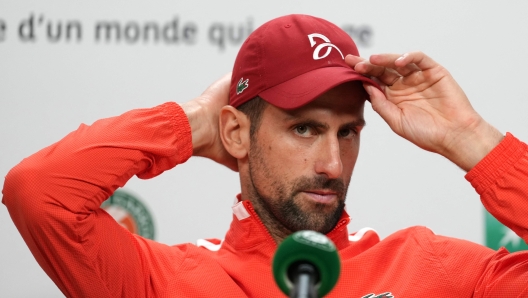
[[47, 88]]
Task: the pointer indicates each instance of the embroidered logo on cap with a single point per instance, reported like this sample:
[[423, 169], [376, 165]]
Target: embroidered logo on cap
[[326, 44], [242, 85]]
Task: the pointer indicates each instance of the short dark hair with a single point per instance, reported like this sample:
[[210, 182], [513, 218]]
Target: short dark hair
[[253, 109]]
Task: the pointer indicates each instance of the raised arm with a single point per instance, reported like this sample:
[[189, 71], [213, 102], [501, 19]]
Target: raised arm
[[54, 196], [422, 103]]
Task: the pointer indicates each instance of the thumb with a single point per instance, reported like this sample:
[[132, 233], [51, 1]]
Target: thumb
[[386, 109]]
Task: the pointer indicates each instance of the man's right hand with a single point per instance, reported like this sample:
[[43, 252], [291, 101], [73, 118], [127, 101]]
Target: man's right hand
[[203, 113]]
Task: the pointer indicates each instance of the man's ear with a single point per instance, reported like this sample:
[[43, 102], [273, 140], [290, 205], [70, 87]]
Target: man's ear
[[234, 131]]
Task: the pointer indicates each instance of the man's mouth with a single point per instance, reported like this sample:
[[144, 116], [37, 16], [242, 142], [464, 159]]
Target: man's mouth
[[321, 196]]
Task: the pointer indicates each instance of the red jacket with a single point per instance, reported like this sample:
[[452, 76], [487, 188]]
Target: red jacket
[[54, 196]]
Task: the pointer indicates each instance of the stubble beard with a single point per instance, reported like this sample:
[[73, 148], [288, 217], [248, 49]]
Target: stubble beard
[[282, 207]]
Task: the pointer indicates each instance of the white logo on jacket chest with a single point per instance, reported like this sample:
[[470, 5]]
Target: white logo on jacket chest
[[383, 295]]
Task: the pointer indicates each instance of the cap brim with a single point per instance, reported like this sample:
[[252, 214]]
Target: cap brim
[[305, 88]]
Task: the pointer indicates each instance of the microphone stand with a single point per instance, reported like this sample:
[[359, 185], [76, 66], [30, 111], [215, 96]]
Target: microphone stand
[[305, 276]]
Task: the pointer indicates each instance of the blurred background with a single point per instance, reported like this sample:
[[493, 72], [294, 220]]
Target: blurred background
[[63, 63]]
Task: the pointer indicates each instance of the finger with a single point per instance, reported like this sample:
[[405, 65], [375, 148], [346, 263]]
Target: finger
[[420, 59], [386, 76], [352, 60], [385, 60], [386, 109], [362, 66], [408, 69], [389, 61]]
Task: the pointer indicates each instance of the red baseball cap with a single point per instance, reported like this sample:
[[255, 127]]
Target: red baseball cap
[[291, 60]]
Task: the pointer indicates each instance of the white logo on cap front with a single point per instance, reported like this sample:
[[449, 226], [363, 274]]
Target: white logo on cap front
[[327, 45]]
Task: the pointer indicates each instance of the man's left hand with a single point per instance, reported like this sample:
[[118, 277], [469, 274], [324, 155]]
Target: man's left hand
[[423, 103]]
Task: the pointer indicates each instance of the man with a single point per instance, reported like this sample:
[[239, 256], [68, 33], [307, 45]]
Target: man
[[291, 129]]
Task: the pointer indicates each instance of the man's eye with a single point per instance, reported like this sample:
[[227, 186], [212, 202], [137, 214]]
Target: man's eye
[[303, 130], [345, 133]]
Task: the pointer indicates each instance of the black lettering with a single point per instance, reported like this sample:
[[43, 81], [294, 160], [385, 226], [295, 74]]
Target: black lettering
[[170, 31], [223, 34], [365, 35], [249, 27], [362, 35], [234, 36], [57, 32], [2, 30], [107, 28], [151, 27], [26, 29], [54, 36], [189, 33], [70, 26], [217, 35], [131, 32]]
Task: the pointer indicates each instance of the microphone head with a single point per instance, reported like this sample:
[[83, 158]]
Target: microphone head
[[307, 247]]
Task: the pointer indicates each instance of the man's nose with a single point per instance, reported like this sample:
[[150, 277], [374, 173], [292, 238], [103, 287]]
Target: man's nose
[[328, 160]]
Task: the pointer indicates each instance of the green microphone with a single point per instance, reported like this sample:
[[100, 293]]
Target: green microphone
[[306, 264]]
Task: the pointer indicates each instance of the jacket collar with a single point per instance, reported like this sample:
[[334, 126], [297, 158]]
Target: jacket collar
[[248, 232]]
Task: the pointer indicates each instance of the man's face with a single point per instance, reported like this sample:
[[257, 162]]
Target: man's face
[[301, 160]]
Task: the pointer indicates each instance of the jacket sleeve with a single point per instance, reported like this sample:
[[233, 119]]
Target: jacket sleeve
[[54, 199], [501, 180]]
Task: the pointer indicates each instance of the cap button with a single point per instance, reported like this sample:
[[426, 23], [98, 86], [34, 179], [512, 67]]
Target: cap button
[[287, 26]]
